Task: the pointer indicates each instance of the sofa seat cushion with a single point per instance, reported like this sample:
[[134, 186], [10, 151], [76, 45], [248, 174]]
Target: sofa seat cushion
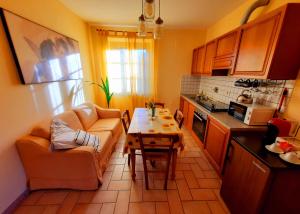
[[110, 124], [87, 114], [105, 139]]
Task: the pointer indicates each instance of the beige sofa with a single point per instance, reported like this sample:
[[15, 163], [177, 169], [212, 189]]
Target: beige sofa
[[79, 168]]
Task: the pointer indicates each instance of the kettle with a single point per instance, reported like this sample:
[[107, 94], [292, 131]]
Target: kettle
[[245, 97]]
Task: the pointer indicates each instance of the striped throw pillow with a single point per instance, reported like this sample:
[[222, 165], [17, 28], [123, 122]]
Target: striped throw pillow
[[83, 138]]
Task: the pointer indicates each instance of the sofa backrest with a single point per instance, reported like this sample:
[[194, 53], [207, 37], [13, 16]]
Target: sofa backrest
[[87, 114], [70, 118], [43, 128]]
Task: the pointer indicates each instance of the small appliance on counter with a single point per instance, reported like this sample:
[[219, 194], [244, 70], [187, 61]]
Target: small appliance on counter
[[251, 114], [245, 97]]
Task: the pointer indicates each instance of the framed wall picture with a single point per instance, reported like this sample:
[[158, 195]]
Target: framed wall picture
[[41, 54]]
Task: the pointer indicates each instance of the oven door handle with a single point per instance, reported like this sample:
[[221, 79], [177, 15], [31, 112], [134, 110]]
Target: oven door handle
[[199, 118]]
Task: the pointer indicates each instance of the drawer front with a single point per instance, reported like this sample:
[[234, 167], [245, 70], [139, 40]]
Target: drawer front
[[223, 63]]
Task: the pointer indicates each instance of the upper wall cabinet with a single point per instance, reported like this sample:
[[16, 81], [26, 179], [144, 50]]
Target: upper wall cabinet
[[210, 51], [269, 47], [194, 61], [200, 59], [226, 48]]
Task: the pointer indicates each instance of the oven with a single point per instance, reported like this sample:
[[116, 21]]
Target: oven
[[199, 124]]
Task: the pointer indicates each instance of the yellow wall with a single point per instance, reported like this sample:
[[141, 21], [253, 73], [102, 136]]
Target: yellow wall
[[174, 60], [24, 105], [232, 20]]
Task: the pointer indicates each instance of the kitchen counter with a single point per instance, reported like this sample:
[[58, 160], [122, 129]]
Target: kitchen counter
[[254, 144], [224, 118]]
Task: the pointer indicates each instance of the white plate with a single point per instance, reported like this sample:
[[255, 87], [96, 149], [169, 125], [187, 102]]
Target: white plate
[[274, 148], [291, 157]]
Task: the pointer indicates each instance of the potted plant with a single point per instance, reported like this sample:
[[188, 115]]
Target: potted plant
[[104, 85]]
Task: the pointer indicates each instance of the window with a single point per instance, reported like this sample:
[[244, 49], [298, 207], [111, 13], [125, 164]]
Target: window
[[128, 71]]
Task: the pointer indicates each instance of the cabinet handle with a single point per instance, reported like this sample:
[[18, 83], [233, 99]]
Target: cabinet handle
[[198, 117], [230, 152], [258, 166]]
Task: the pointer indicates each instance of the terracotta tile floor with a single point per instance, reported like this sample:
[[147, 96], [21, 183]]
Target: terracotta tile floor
[[195, 189]]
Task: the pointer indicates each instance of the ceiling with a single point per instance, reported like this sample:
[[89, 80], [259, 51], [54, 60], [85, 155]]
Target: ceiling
[[175, 13]]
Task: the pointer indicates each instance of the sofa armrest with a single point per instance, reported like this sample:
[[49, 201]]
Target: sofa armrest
[[108, 113], [73, 164]]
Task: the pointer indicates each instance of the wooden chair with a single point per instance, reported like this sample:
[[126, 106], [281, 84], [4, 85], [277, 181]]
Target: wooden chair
[[126, 123], [157, 104], [126, 120], [161, 147], [178, 117]]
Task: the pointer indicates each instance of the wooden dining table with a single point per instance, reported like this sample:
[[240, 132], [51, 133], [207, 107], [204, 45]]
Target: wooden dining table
[[143, 122]]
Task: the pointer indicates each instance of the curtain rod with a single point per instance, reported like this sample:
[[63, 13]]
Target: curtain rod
[[121, 33]]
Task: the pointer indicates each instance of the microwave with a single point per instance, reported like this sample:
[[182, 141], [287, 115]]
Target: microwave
[[251, 114]]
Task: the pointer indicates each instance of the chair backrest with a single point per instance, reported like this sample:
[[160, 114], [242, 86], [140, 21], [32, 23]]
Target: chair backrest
[[156, 104], [126, 120], [178, 116], [157, 141]]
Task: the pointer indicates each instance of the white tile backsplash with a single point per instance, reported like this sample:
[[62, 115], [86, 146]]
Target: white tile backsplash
[[265, 95], [190, 85]]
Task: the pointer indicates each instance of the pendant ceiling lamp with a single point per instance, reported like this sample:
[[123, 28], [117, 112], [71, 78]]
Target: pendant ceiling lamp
[[148, 17]]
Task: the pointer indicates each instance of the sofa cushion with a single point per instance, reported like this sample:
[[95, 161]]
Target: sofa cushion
[[87, 114], [62, 136], [105, 139], [70, 118], [111, 124]]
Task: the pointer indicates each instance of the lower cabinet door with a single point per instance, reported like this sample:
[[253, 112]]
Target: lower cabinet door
[[185, 112], [245, 181], [216, 140]]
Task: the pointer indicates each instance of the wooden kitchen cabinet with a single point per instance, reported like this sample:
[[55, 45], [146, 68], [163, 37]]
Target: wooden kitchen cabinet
[[226, 48], [200, 59], [194, 61], [244, 181], [185, 112], [190, 116], [181, 104], [216, 140], [210, 51], [269, 46]]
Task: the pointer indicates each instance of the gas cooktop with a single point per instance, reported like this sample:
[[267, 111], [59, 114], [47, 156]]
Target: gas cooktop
[[212, 105]]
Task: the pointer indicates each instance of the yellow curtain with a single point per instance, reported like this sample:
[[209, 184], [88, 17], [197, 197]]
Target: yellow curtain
[[140, 77]]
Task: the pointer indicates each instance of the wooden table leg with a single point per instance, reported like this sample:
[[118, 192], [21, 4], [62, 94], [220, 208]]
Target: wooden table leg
[[174, 161], [132, 154]]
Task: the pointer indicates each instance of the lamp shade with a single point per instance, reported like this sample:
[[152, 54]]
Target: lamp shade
[[158, 28], [142, 26]]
